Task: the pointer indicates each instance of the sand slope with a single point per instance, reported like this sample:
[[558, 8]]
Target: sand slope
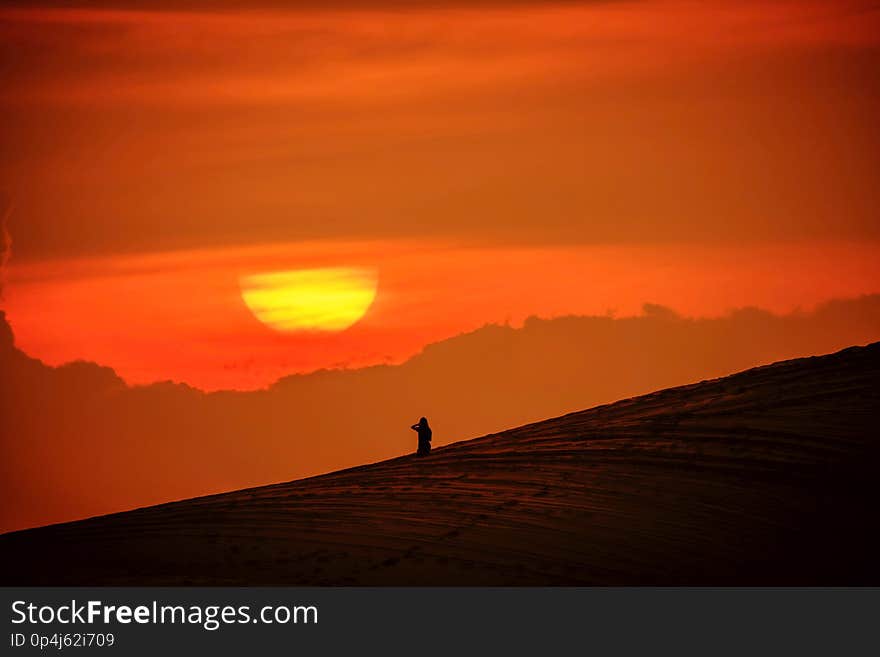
[[765, 477]]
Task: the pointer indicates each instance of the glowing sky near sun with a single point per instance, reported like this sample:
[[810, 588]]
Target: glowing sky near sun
[[181, 315]]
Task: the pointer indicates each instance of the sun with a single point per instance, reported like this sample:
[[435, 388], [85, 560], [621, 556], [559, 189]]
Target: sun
[[329, 299]]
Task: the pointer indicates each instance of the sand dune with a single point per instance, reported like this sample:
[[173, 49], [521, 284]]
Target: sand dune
[[76, 441], [764, 477]]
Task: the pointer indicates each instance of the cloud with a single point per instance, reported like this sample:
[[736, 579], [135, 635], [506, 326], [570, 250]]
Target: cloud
[[291, 5], [589, 123], [5, 242], [171, 313], [76, 441]]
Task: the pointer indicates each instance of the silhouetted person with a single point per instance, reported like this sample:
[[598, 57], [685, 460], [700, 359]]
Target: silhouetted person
[[424, 436]]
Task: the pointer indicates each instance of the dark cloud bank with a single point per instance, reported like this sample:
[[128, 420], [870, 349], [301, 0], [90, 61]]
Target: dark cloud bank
[[77, 441]]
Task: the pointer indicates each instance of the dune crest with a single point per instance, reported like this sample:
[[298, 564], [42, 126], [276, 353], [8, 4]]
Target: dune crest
[[766, 477]]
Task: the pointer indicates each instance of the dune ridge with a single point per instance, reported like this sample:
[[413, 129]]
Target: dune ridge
[[69, 435], [765, 477]]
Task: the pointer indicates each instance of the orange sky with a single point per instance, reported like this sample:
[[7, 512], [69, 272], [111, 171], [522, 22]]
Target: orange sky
[[492, 160], [489, 160], [180, 316]]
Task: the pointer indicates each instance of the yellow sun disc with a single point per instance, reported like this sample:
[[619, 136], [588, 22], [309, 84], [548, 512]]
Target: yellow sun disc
[[328, 299]]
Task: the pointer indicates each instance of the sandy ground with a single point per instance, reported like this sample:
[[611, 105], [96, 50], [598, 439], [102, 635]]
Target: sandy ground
[[765, 477]]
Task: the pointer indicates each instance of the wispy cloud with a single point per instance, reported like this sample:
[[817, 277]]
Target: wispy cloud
[[5, 243], [641, 121]]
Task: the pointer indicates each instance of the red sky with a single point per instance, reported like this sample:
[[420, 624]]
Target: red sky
[[489, 160], [492, 160], [180, 316]]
